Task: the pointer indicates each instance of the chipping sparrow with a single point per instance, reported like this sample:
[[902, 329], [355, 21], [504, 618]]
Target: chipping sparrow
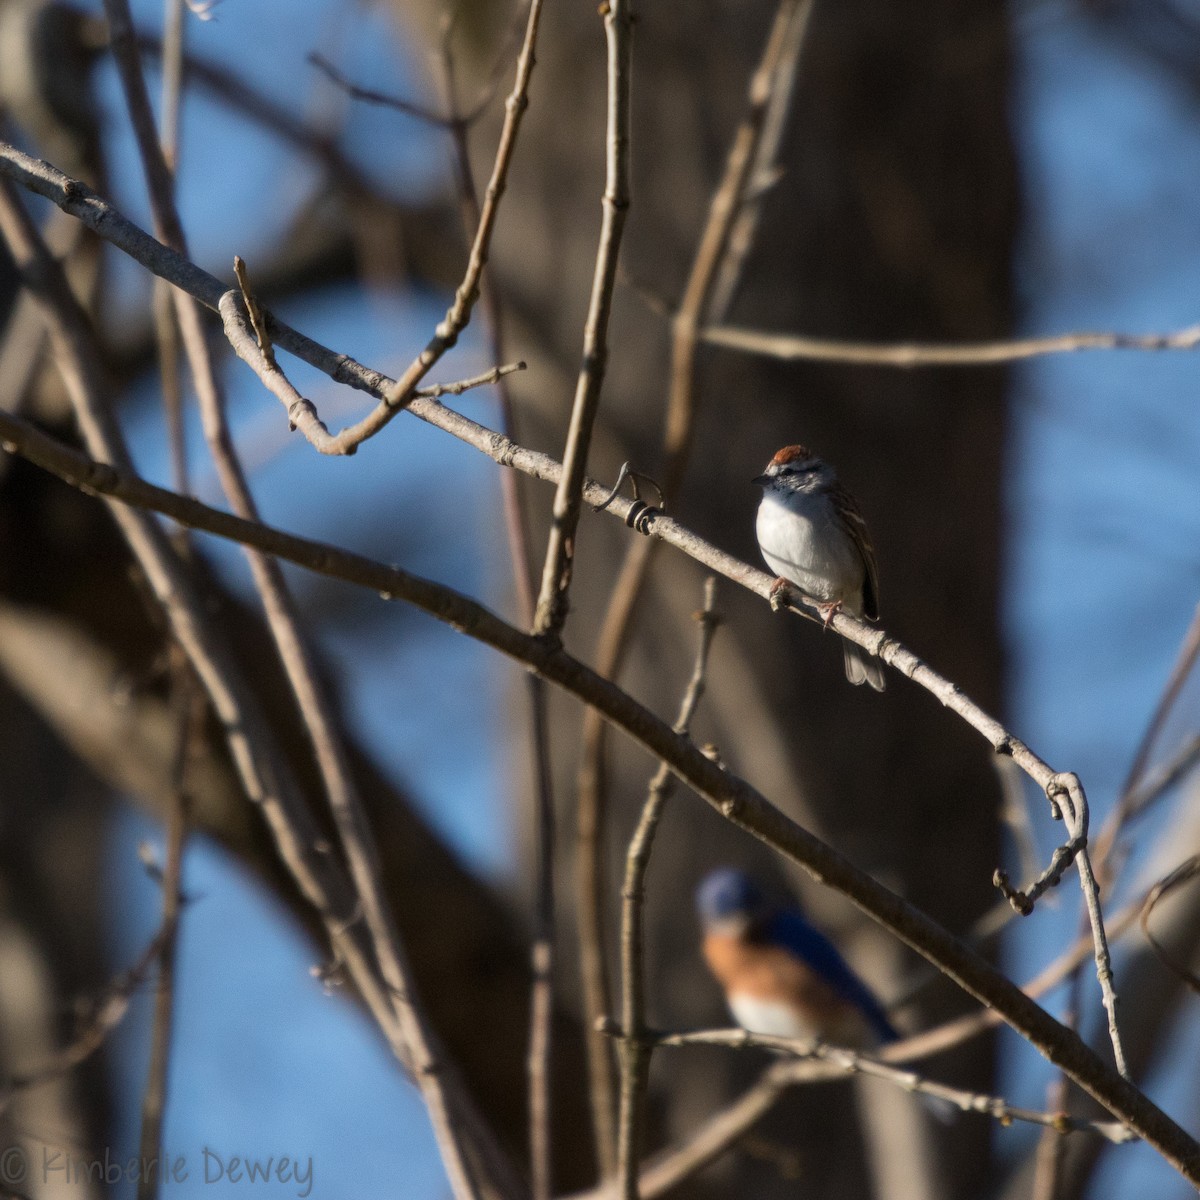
[[811, 534]]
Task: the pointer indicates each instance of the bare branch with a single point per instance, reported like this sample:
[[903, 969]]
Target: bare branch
[[105, 1017], [230, 90], [568, 497], [1184, 873], [840, 1062], [1065, 794], [635, 1049], [301, 412], [399, 394], [1140, 789], [915, 354], [188, 713], [165, 327], [186, 695], [407, 107], [542, 951]]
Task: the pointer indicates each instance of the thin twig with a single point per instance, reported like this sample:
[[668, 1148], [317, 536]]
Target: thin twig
[[1154, 783], [765, 170], [302, 413], [1016, 815], [165, 328], [915, 354], [254, 312], [840, 1062], [730, 795], [1073, 804], [106, 1015], [189, 713], [173, 49], [1024, 900], [452, 120], [400, 394], [1137, 787], [1065, 794], [230, 90], [247, 344], [493, 322], [617, 626], [1050, 1154], [552, 601], [1049, 1158], [369, 96], [185, 692], [542, 949], [1184, 873], [635, 1049]]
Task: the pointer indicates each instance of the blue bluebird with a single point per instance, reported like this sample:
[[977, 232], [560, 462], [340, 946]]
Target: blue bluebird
[[781, 976]]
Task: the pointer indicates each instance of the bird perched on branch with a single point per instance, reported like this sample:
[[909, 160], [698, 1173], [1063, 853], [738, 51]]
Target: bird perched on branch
[[811, 534], [781, 975]]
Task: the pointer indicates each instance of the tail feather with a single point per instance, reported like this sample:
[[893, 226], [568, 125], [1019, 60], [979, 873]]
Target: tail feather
[[862, 667]]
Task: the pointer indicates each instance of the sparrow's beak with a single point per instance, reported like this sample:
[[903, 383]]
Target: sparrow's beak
[[761, 480]]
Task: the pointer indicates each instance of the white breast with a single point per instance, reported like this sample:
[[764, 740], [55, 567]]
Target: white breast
[[769, 1016], [777, 1019], [803, 541]]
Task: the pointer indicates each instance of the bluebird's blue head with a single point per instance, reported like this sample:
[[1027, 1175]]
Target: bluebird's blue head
[[729, 899]]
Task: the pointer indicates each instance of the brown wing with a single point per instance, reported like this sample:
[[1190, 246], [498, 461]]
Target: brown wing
[[852, 519]]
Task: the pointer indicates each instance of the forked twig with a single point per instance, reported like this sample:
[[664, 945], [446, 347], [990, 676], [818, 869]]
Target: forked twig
[[1065, 793]]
